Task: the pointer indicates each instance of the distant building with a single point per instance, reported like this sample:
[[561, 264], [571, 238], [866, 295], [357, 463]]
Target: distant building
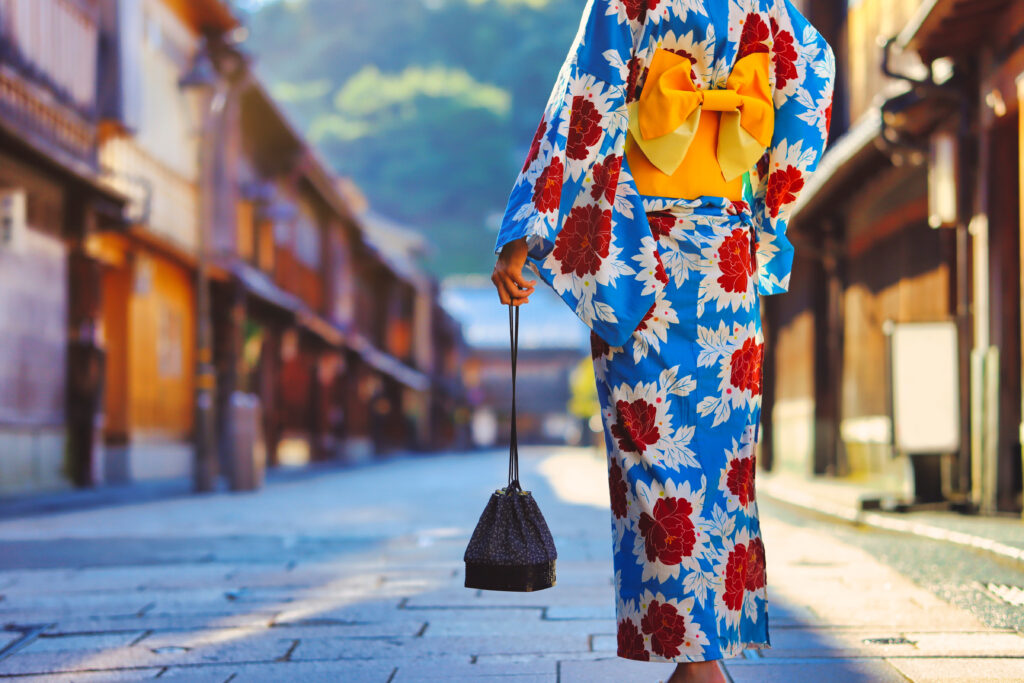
[[552, 342]]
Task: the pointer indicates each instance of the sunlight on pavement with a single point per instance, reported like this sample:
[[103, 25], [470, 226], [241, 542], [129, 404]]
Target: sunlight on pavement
[[312, 605], [578, 476]]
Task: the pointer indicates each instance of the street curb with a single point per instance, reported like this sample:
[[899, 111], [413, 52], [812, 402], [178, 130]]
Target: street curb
[[877, 520]]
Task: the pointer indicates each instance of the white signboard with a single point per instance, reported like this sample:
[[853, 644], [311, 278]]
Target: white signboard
[[925, 388]]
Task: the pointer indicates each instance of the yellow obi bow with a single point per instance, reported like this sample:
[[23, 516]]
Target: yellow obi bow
[[664, 120]]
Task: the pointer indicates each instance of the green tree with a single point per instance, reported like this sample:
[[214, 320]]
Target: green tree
[[429, 105]]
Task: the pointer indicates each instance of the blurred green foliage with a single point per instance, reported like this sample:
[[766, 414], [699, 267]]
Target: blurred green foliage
[[429, 105]]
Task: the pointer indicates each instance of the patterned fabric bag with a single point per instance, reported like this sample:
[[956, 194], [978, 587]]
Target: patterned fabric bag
[[511, 548]]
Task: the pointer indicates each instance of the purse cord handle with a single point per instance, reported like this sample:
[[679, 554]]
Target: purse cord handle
[[513, 453]]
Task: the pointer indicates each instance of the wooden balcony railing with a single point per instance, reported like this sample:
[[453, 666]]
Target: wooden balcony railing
[[49, 54], [54, 43]]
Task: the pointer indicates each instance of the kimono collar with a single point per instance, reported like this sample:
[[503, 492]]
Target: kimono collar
[[664, 120]]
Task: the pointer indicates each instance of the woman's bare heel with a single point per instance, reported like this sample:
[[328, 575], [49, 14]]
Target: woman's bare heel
[[709, 671]]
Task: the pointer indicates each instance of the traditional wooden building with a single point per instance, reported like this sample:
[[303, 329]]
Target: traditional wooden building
[[977, 49], [884, 240], [336, 327], [316, 352], [150, 152], [51, 199], [131, 217]]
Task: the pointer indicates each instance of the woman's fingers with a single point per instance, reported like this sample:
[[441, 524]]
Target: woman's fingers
[[517, 278], [500, 286], [514, 289]]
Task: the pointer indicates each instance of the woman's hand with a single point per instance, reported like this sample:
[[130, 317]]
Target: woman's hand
[[508, 274]]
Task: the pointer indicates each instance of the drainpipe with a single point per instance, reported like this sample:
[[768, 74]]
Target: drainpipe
[[1020, 221], [974, 320]]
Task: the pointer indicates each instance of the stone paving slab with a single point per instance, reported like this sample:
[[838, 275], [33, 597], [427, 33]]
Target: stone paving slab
[[76, 624], [54, 605], [614, 670], [284, 672], [603, 611], [556, 596], [802, 642], [519, 660], [833, 671], [976, 670], [406, 675], [118, 579], [505, 626], [93, 676], [95, 642], [396, 628], [8, 637], [430, 646], [256, 647], [112, 602]]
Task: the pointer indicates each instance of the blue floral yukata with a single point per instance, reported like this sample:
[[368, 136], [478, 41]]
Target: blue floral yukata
[[670, 288]]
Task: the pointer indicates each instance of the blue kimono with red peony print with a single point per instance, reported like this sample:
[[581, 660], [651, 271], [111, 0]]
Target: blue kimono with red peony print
[[670, 283]]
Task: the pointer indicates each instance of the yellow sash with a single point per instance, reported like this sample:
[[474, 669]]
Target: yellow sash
[[666, 127]]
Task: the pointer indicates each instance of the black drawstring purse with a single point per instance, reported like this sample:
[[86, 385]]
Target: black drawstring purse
[[511, 548]]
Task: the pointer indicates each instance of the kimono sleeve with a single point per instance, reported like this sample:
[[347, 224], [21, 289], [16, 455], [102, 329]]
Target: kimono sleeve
[[803, 67], [573, 201]]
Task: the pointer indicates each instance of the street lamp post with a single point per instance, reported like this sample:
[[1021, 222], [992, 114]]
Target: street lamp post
[[202, 88]]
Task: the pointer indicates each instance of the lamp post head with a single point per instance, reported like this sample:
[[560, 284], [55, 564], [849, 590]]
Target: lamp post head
[[198, 84]]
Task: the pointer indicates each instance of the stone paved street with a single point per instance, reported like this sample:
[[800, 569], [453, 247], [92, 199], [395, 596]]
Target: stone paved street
[[356, 575]]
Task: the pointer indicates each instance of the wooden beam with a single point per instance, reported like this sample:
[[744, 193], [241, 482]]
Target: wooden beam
[[946, 27], [204, 15]]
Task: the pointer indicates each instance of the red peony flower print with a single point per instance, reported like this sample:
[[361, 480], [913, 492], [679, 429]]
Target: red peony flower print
[[740, 479], [584, 240], [661, 223], [666, 626], [783, 186], [738, 206], [635, 428], [756, 575], [659, 274], [735, 577], [598, 346], [746, 366], [535, 145], [734, 261], [547, 191], [754, 37], [633, 80], [631, 642], [693, 61], [647, 316], [606, 178], [636, 8], [618, 490], [584, 128], [670, 534], [828, 117], [783, 56]]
